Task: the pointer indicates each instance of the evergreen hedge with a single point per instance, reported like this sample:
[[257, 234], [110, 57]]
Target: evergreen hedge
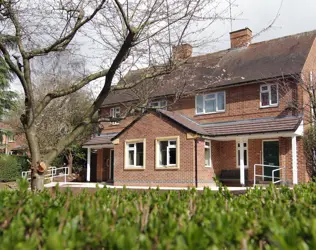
[[123, 219], [10, 169]]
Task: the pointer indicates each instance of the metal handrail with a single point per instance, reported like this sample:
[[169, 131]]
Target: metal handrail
[[50, 173], [278, 168]]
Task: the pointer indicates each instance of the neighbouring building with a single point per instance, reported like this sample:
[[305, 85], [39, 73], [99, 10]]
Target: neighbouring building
[[11, 142], [240, 107]]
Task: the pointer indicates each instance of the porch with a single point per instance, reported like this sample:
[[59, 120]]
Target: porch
[[100, 159]]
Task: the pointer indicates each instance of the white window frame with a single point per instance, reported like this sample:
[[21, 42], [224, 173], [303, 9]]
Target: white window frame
[[162, 104], [11, 138], [176, 146], [216, 100], [245, 148], [210, 148], [127, 149], [268, 85], [115, 112]]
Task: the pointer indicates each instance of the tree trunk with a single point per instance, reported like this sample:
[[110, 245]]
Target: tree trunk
[[69, 158]]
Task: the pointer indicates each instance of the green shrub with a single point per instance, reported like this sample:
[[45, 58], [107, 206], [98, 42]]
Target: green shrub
[[10, 170], [280, 218]]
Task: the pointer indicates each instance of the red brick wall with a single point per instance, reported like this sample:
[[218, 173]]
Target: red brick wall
[[205, 174], [151, 127], [242, 102]]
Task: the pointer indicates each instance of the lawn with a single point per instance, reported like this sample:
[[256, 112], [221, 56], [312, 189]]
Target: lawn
[[280, 218]]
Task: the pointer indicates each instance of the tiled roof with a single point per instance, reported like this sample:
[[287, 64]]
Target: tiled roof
[[253, 126], [269, 59], [183, 121], [103, 139]]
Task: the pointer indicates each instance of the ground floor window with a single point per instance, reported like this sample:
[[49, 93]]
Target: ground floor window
[[135, 154], [245, 153], [207, 149], [167, 152]]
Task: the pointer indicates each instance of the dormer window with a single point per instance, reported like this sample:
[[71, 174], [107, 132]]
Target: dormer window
[[210, 103], [161, 104], [269, 95], [115, 113]]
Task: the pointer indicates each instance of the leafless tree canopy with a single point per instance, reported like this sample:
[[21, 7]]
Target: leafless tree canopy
[[112, 36]]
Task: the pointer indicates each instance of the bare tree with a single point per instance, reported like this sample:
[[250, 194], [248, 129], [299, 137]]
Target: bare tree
[[123, 34]]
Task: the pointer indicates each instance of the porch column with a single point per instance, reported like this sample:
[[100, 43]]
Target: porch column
[[294, 160], [88, 164], [242, 162]]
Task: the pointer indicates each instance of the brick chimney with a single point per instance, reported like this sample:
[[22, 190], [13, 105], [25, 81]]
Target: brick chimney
[[240, 38], [181, 52]]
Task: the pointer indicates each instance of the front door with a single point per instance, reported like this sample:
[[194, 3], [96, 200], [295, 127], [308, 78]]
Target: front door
[[270, 157], [111, 164]]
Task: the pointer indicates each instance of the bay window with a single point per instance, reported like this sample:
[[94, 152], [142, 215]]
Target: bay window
[[135, 154], [210, 103], [269, 96]]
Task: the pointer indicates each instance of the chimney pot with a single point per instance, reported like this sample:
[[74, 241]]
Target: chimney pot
[[240, 38], [181, 52]]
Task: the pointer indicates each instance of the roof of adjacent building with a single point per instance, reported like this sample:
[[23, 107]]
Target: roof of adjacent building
[[103, 139], [284, 56]]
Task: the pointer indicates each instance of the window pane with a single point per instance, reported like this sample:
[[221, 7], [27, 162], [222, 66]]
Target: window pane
[[245, 158], [220, 101], [131, 145], [172, 142], [207, 144], [264, 88], [199, 104], [207, 157], [131, 160], [210, 106], [238, 157], [210, 96], [172, 156], [274, 94], [264, 99], [139, 154], [163, 152]]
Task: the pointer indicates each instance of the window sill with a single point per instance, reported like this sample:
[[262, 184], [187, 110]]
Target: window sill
[[246, 167], [271, 106], [167, 168], [208, 166], [211, 113], [134, 168]]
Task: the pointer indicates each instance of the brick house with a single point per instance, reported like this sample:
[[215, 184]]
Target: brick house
[[11, 142], [241, 106]]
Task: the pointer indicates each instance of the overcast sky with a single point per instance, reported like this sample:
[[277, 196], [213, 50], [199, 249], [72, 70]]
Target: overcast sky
[[295, 16]]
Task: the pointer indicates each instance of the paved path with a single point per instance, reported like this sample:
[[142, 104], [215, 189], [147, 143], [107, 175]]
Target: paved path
[[94, 185]]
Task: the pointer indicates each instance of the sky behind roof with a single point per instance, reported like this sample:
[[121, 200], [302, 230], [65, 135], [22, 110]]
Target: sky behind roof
[[295, 16]]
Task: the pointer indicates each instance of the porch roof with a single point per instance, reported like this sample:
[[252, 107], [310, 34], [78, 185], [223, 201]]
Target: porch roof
[[103, 140], [253, 126]]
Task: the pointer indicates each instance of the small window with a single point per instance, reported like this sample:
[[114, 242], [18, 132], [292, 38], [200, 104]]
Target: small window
[[161, 104], [269, 96], [11, 138], [135, 156], [115, 113], [210, 103], [167, 153], [245, 154], [207, 149]]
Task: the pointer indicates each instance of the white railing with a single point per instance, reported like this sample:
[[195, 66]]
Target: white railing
[[50, 173], [274, 178]]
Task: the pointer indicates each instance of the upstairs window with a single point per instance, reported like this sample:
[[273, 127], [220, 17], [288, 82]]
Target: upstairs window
[[115, 113], [211, 103], [11, 138], [135, 157], [269, 96], [161, 104]]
